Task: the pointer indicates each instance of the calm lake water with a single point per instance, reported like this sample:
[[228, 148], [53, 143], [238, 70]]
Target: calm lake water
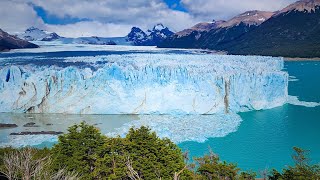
[[264, 139]]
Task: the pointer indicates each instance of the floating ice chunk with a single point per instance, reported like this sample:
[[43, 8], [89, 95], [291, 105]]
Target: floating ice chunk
[[18, 141], [294, 100], [293, 79], [185, 128]]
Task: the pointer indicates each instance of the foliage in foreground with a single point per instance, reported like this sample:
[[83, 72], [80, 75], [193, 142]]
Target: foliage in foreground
[[29, 163], [302, 170], [95, 156], [84, 153]]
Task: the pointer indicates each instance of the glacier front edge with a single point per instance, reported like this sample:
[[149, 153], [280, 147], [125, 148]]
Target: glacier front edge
[[143, 83]]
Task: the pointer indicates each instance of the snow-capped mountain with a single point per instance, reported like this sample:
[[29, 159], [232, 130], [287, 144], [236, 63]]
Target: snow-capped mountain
[[35, 34], [152, 37], [137, 36], [158, 34], [8, 42], [51, 37]]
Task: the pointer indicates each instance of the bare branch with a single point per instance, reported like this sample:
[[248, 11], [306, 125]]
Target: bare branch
[[177, 174], [21, 164], [131, 172]]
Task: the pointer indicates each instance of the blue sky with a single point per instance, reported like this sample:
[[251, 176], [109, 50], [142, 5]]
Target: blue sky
[[111, 18], [53, 19], [175, 5]]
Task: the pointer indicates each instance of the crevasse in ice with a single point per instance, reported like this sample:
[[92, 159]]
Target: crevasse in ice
[[142, 83]]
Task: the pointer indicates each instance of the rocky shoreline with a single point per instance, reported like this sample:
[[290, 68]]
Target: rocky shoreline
[[37, 133], [4, 125]]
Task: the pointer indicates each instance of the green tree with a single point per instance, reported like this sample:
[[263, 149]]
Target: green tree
[[86, 151], [249, 175], [302, 169], [144, 153], [79, 150], [210, 167], [153, 157]]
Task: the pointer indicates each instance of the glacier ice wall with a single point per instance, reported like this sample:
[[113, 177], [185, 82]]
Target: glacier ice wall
[[142, 83]]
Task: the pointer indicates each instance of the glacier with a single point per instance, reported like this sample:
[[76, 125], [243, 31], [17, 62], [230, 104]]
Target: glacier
[[142, 83]]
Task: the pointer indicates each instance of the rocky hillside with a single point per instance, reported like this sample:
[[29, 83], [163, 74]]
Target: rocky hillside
[[218, 33], [292, 32], [8, 42]]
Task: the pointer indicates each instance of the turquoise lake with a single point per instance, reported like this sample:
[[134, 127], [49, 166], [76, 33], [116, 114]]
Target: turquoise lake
[[263, 140]]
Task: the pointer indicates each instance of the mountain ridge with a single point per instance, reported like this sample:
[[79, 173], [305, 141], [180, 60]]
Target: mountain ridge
[[222, 32], [8, 42], [293, 31]]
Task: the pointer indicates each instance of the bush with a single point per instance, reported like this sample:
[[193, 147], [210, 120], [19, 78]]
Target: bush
[[84, 150], [302, 170], [79, 150], [29, 163], [210, 167]]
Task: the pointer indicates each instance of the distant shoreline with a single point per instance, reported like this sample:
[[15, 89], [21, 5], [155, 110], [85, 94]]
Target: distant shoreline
[[301, 59]]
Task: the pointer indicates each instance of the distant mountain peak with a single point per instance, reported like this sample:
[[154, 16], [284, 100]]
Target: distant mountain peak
[[136, 34], [36, 34], [302, 5], [158, 27], [151, 37], [32, 28]]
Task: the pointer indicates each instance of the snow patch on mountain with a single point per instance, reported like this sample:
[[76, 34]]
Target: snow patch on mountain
[[35, 34], [149, 38]]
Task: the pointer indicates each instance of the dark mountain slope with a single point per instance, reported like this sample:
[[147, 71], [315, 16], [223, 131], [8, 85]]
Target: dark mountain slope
[[221, 31], [290, 34], [8, 42], [215, 39]]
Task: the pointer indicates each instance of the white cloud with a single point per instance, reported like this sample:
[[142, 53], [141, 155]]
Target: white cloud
[[17, 16], [116, 17], [117, 13], [90, 28], [225, 9]]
